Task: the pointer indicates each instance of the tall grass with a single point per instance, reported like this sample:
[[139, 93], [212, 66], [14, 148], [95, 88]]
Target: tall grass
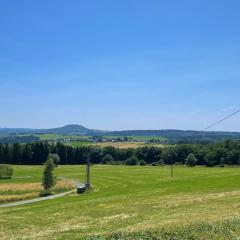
[[10, 192], [225, 230]]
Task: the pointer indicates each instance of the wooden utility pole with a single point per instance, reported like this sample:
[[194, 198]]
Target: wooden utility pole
[[87, 178], [171, 168], [84, 187]]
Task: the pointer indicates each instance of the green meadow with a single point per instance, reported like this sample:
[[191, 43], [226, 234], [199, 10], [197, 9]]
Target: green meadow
[[140, 138], [131, 202], [50, 136]]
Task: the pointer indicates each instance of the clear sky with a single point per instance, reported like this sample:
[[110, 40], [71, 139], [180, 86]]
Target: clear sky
[[128, 64]]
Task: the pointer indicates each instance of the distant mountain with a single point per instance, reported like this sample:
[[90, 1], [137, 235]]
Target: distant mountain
[[68, 130], [173, 136]]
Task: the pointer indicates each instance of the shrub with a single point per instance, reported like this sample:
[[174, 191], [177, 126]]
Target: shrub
[[45, 193], [222, 160], [131, 161], [107, 159], [191, 160], [161, 163], [6, 171], [142, 162], [211, 159], [48, 180]]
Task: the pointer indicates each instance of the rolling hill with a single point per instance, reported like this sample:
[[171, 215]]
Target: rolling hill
[[174, 136], [68, 130]]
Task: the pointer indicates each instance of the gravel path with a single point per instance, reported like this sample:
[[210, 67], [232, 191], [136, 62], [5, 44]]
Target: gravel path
[[76, 183]]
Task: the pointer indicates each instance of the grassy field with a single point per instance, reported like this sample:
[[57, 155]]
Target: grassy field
[[79, 141], [139, 138], [44, 137], [26, 184], [79, 144], [82, 138], [116, 144], [132, 203]]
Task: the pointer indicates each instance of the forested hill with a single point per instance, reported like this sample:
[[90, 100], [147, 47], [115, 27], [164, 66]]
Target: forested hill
[[68, 129], [173, 136], [181, 136]]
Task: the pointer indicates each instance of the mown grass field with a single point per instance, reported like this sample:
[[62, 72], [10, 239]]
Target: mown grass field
[[132, 202]]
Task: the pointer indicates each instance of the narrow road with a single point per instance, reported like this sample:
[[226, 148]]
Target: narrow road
[[75, 182]]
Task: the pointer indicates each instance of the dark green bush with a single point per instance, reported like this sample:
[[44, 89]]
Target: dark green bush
[[45, 193], [6, 171], [107, 159], [191, 160], [142, 162], [132, 161]]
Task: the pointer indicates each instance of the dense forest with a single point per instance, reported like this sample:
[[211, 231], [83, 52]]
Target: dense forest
[[224, 153], [18, 139]]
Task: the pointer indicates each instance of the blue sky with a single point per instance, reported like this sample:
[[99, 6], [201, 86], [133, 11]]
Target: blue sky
[[128, 64]]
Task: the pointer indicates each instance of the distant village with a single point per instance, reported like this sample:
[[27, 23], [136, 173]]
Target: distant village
[[94, 139]]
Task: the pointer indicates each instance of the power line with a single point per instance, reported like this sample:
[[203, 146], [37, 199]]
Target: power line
[[222, 120]]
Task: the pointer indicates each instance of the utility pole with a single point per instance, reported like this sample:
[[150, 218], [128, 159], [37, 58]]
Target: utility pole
[[171, 170], [83, 188], [87, 178]]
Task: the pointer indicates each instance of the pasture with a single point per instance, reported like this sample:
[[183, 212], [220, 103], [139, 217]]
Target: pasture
[[79, 141], [131, 202], [121, 145]]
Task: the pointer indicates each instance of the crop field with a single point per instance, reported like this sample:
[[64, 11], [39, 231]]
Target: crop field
[[121, 145], [44, 137], [27, 186], [126, 144], [131, 202], [82, 138], [80, 144], [140, 138]]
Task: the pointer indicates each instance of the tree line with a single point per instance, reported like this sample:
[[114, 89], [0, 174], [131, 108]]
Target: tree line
[[10, 139], [224, 153]]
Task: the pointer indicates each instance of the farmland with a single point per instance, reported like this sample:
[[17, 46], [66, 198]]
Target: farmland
[[27, 184], [132, 201], [121, 145], [114, 141], [79, 141]]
